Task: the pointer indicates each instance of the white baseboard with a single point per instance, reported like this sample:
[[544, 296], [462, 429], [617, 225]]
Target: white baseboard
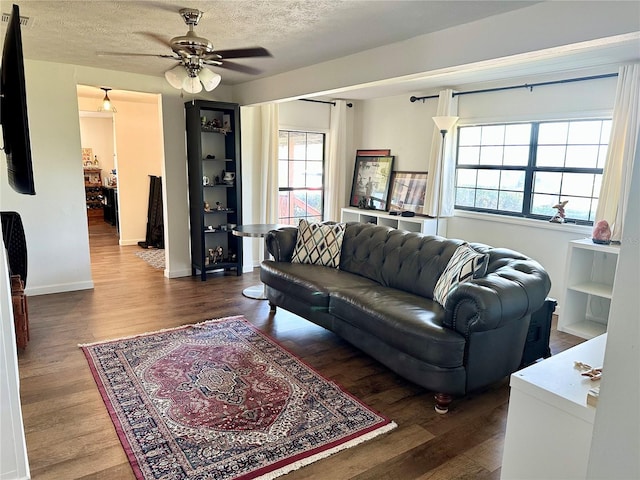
[[177, 273], [130, 242], [58, 288]]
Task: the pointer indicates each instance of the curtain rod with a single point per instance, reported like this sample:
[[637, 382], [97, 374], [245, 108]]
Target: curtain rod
[[526, 85], [322, 101]]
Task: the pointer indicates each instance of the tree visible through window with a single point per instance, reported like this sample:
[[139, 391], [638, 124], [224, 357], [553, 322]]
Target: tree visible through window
[[524, 169], [300, 172]]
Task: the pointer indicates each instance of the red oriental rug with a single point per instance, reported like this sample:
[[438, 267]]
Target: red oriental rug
[[221, 400]]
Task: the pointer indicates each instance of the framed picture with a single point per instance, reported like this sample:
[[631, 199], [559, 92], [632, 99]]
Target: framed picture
[[371, 178], [407, 191]]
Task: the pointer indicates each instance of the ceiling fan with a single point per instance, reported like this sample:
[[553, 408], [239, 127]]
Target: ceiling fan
[[195, 54]]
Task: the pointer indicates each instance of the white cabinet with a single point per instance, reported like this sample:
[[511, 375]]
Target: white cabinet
[[417, 224], [590, 272], [550, 424]]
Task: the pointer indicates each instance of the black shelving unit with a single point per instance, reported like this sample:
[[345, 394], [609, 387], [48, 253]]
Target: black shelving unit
[[215, 206]]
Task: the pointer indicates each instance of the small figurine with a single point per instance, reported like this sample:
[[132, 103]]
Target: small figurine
[[219, 206], [207, 208], [559, 216], [601, 233]]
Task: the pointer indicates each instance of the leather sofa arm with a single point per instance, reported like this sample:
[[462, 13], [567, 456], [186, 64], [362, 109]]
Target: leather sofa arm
[[281, 243], [515, 287]]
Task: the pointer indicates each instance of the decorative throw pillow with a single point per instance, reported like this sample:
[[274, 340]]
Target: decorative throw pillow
[[464, 265], [319, 244]]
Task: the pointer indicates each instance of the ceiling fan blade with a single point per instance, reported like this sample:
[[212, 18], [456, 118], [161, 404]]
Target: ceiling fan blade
[[233, 66], [126, 54], [242, 53], [159, 39]]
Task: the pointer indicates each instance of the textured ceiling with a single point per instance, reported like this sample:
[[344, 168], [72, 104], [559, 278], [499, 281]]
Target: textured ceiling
[[297, 33]]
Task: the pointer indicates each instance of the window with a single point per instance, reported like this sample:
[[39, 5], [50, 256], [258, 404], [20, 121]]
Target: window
[[300, 171], [524, 169]]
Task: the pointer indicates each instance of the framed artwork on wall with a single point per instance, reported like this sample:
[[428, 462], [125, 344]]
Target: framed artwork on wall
[[408, 190], [371, 178]]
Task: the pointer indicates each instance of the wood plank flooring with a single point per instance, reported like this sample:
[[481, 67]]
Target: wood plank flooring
[[70, 435]]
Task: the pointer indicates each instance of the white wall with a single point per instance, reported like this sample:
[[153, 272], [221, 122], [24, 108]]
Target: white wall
[[96, 133]]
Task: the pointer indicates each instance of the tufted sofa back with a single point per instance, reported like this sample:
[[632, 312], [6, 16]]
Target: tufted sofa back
[[394, 258]]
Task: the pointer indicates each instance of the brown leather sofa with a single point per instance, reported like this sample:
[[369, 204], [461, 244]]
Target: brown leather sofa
[[380, 299]]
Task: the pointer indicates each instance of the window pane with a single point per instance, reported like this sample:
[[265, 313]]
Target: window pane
[[469, 136], [543, 204], [580, 184], [467, 178], [582, 156], [512, 180], [283, 174], [587, 133], [605, 132], [577, 208], [487, 199], [491, 156], [519, 134], [468, 155], [284, 207], [551, 156], [297, 145], [547, 182], [465, 197], [492, 135], [315, 146], [516, 156], [488, 178], [553, 133], [283, 145], [602, 155], [314, 174], [511, 201]]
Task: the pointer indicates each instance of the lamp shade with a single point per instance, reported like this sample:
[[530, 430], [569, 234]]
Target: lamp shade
[[445, 123], [192, 85], [209, 79], [176, 76]]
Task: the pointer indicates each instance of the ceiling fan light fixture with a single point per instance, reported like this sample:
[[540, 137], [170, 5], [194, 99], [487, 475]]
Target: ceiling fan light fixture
[[176, 76], [209, 79], [192, 85], [106, 105]]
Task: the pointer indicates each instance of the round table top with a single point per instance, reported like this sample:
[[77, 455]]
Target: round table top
[[256, 229]]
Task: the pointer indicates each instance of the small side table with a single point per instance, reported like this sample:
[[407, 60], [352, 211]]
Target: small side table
[[260, 230]]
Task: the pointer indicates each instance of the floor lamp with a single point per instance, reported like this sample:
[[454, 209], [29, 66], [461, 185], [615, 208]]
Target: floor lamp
[[444, 124]]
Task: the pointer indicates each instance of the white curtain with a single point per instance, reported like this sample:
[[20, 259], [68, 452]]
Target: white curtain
[[336, 167], [269, 163], [623, 141], [447, 106]]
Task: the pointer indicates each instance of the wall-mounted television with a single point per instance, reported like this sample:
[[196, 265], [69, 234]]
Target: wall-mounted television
[[13, 110]]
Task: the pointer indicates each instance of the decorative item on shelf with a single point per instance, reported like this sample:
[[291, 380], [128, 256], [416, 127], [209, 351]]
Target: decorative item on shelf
[[219, 206], [560, 214], [112, 180], [408, 191], [211, 157], [203, 120], [205, 180], [96, 163], [207, 207], [593, 373], [215, 254], [226, 122], [217, 180], [229, 178], [222, 227], [87, 155], [371, 178], [601, 233]]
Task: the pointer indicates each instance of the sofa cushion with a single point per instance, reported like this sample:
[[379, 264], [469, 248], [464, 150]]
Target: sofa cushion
[[311, 284], [407, 322], [465, 264], [319, 244]]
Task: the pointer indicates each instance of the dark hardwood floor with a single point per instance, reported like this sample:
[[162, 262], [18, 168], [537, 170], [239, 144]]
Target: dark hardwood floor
[[70, 435]]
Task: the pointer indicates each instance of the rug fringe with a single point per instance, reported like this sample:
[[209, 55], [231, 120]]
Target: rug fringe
[[163, 330], [319, 456]]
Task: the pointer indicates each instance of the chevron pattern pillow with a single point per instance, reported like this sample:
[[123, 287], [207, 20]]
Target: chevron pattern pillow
[[464, 265], [319, 244]]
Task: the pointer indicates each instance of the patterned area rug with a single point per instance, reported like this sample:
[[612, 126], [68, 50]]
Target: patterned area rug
[[154, 257], [221, 400]]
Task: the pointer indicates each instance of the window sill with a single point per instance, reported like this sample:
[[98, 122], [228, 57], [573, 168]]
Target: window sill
[[525, 222]]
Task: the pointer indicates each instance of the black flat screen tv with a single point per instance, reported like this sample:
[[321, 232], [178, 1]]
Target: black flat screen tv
[[13, 110]]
